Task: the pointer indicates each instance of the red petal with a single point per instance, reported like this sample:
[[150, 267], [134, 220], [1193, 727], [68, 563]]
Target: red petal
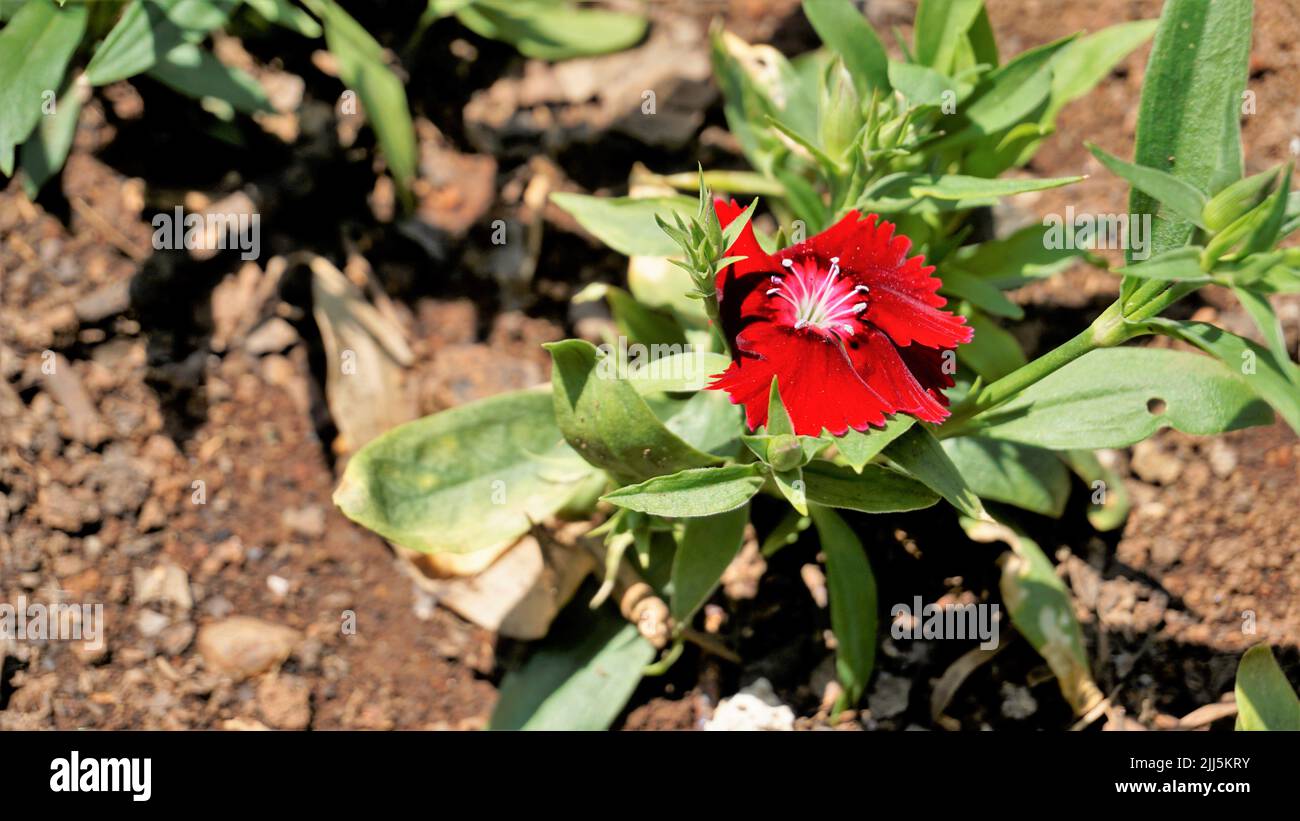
[[885, 370], [818, 383], [903, 299]]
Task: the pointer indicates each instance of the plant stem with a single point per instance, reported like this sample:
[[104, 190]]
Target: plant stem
[[1108, 330]]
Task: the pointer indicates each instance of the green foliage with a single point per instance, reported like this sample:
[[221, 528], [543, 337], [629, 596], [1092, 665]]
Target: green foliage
[[578, 678], [466, 479], [35, 47], [546, 29], [1265, 699], [852, 591]]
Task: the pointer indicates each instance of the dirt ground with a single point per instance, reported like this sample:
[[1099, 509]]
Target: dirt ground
[[176, 462]]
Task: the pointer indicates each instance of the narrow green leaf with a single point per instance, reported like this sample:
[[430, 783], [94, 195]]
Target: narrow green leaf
[[35, 47], [1185, 200], [1029, 254], [994, 352], [844, 29], [1176, 265], [465, 479], [580, 676], [362, 69], [1081, 65], [852, 591], [284, 13], [44, 153], [625, 224], [553, 31], [1042, 611], [1112, 398], [939, 28], [148, 29], [1012, 94], [1188, 119], [958, 187], [707, 546], [194, 71], [696, 492], [1265, 699], [979, 292], [1261, 312], [921, 455]]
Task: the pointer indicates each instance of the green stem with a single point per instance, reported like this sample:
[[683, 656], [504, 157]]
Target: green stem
[[1108, 330]]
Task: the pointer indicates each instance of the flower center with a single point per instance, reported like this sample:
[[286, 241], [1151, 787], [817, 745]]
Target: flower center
[[813, 298]]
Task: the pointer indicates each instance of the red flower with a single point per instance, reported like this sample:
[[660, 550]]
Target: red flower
[[848, 322]]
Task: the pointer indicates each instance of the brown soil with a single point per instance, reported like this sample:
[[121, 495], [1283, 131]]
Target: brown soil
[[99, 460]]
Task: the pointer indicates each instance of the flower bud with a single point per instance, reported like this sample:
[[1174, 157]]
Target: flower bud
[[784, 452], [840, 111], [1232, 202]]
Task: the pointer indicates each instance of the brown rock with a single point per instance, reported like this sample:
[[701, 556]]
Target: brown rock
[[285, 702], [241, 646]]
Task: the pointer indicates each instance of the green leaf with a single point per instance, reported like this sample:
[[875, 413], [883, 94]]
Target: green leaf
[[778, 419], [979, 292], [959, 187], [1188, 119], [876, 490], [1265, 699], [1011, 94], [552, 31], [1185, 200], [637, 322], [939, 28], [1111, 398], [285, 14], [1261, 312], [707, 420], [362, 69], [579, 677], [1108, 501], [994, 352], [44, 153], [844, 29], [465, 479], [148, 29], [852, 589], [196, 72], [1267, 377], [696, 492], [626, 224], [1027, 477], [1081, 65], [1041, 609], [707, 546], [922, 85], [1013, 261], [688, 371], [921, 455], [35, 47], [1269, 229], [608, 423], [858, 448], [1177, 265]]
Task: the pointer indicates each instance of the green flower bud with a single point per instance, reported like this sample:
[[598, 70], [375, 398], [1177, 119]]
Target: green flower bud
[[1232, 202], [784, 452], [840, 111]]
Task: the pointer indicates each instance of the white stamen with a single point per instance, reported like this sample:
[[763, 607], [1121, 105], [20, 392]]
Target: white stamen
[[789, 263], [859, 308], [800, 324], [862, 289], [771, 291], [848, 329]]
